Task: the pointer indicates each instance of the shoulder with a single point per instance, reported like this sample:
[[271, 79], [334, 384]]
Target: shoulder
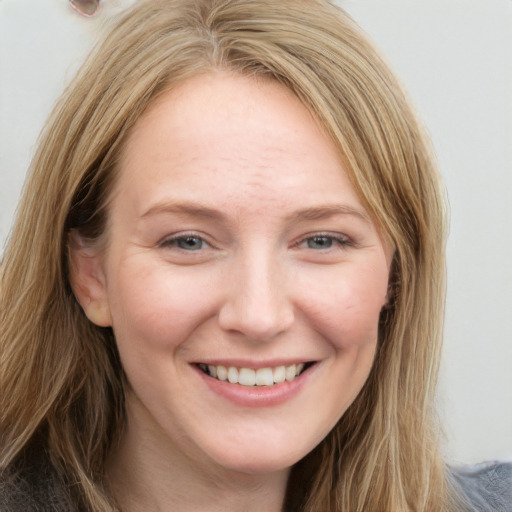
[[33, 487], [487, 486]]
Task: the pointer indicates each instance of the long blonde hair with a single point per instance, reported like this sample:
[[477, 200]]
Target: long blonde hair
[[62, 380]]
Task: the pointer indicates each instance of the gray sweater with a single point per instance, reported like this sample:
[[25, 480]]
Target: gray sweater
[[487, 487]]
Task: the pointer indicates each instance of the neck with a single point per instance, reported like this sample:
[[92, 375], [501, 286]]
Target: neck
[[148, 473]]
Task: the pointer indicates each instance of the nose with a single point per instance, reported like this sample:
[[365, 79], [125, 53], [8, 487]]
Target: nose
[[257, 304]]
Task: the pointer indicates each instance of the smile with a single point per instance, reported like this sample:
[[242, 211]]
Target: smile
[[254, 377]]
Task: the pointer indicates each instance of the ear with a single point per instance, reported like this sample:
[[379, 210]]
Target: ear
[[87, 280]]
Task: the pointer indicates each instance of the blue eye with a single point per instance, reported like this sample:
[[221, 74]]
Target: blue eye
[[185, 242], [190, 243], [320, 242]]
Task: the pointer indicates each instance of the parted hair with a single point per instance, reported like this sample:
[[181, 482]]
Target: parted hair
[[61, 376]]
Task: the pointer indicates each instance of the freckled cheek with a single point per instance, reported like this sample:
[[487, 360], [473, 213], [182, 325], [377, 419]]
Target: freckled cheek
[[159, 309]]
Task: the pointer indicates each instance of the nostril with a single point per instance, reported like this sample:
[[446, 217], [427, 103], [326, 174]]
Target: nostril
[[85, 7], [255, 324]]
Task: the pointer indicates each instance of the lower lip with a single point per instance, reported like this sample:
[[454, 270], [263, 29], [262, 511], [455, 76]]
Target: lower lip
[[257, 396]]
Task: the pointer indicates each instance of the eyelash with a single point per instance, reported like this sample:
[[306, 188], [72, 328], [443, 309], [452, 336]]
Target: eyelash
[[336, 241], [173, 241]]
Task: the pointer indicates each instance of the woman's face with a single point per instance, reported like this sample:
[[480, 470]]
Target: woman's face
[[238, 249]]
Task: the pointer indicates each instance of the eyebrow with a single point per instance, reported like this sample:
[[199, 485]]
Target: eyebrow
[[200, 210], [192, 209], [322, 212]]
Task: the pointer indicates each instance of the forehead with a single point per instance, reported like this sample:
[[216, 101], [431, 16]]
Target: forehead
[[236, 137]]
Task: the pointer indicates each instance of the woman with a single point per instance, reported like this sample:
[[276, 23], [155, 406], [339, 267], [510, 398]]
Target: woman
[[224, 287]]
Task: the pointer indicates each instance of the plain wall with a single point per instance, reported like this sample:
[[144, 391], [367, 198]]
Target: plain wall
[[454, 58]]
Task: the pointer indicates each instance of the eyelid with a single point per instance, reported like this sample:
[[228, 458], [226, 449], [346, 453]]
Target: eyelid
[[167, 240], [340, 239]]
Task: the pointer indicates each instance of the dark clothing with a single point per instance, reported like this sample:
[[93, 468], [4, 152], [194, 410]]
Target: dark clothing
[[35, 488]]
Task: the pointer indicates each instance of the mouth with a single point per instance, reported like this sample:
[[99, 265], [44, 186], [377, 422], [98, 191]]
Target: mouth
[[268, 376]]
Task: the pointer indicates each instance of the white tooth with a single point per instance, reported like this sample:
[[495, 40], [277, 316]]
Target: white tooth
[[279, 374], [264, 377], [290, 372], [246, 377], [299, 368], [233, 375], [213, 370], [222, 373]]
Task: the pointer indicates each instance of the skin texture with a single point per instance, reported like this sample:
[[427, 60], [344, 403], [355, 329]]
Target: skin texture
[[277, 263]]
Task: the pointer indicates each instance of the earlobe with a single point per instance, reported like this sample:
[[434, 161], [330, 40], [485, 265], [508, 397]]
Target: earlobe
[[87, 280], [98, 313]]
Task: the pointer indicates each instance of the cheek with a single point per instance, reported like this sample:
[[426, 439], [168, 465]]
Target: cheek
[[346, 308], [158, 306]]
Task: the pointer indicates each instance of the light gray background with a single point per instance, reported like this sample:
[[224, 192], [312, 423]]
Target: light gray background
[[454, 57]]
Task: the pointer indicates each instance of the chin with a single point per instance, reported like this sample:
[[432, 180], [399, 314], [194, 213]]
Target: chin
[[261, 458], [259, 466]]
